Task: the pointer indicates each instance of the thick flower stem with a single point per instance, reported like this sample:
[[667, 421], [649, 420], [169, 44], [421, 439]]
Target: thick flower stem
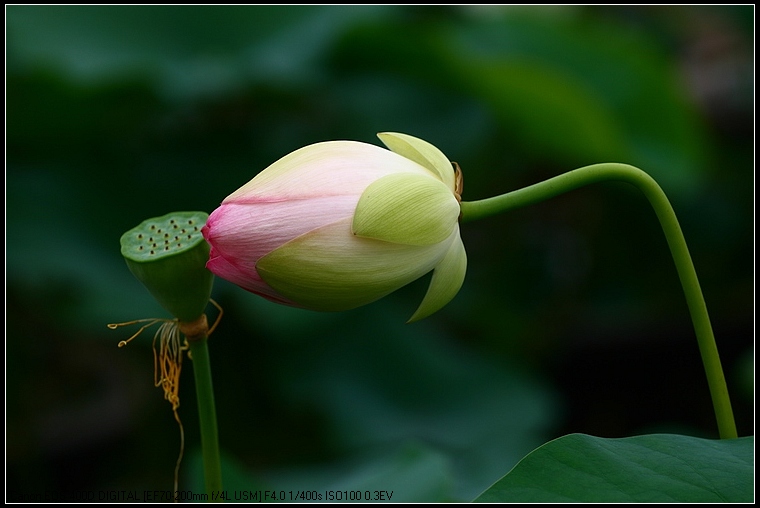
[[212, 464], [621, 172]]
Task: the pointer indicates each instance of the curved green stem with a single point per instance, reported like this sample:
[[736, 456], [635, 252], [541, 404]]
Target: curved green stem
[[621, 172], [212, 464]]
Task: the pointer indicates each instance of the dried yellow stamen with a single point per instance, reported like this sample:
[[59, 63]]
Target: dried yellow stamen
[[167, 367], [167, 359], [167, 362]]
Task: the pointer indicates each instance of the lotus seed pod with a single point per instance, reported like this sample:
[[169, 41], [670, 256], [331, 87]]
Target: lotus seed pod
[[168, 255]]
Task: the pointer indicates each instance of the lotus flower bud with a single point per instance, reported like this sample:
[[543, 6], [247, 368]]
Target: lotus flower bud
[[340, 224]]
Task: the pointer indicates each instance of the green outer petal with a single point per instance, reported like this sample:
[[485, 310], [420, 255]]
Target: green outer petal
[[422, 153], [447, 278], [330, 269], [406, 208]]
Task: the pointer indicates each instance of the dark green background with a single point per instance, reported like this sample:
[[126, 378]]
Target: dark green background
[[571, 318]]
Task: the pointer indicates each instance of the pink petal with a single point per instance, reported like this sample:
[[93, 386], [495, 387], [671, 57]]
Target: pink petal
[[240, 234], [331, 168]]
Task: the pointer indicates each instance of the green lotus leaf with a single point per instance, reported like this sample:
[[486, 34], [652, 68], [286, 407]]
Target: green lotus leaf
[[651, 468]]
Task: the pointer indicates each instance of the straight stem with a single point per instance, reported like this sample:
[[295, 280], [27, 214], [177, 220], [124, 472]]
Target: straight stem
[[212, 465]]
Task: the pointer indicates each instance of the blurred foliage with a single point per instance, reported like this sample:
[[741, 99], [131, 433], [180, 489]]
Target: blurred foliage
[[571, 318]]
